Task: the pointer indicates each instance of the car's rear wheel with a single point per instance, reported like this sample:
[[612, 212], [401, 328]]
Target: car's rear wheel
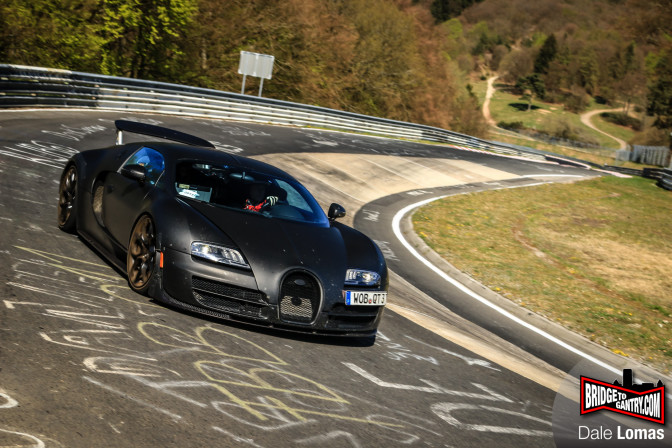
[[67, 199], [141, 256]]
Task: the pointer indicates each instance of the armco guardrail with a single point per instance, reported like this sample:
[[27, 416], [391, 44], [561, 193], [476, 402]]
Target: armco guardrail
[[654, 173], [624, 170], [22, 86], [665, 180]]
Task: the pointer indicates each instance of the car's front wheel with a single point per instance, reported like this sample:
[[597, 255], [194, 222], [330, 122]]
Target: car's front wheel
[[67, 199], [141, 256]]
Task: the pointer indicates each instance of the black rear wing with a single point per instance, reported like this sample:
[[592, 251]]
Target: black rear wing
[[158, 131]]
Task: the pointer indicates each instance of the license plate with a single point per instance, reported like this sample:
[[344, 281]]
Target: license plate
[[372, 298]]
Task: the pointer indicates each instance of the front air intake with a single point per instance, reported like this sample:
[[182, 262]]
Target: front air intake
[[299, 298], [228, 298]]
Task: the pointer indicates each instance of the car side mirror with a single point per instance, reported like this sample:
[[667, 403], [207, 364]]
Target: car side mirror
[[335, 211], [135, 172]]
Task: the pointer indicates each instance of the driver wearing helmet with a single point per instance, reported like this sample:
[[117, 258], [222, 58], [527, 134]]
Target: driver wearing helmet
[[258, 201]]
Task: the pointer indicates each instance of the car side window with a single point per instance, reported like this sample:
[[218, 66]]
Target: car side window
[[152, 160]]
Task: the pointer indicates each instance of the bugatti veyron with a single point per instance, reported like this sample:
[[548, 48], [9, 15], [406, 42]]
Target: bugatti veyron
[[223, 235]]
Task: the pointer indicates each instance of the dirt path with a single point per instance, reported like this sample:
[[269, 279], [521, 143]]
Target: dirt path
[[587, 117], [486, 103]]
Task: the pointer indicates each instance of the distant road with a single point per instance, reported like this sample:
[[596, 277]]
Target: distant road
[[486, 103], [588, 116], [585, 118]]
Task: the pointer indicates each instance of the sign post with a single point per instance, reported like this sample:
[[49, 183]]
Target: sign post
[[255, 64]]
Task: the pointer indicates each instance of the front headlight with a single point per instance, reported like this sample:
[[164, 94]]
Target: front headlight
[[218, 254], [360, 277]]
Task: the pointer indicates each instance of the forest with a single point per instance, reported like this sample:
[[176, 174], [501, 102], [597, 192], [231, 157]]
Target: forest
[[411, 60]]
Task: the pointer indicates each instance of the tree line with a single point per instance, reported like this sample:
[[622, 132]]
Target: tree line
[[615, 51], [402, 59], [377, 57]]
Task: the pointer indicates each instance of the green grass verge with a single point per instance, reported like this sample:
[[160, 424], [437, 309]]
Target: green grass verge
[[591, 255]]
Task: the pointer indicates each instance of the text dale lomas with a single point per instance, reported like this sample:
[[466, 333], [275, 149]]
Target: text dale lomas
[[643, 401]]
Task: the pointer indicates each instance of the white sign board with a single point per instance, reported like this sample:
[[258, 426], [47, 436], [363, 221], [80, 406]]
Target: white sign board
[[256, 64]]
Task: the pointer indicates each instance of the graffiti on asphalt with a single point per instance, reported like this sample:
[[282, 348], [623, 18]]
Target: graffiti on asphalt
[[177, 368]]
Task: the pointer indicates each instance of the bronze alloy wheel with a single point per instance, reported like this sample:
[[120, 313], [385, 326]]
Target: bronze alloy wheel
[[67, 199], [141, 254]]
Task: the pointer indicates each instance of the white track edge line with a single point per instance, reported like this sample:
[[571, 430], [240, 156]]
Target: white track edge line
[[397, 232]]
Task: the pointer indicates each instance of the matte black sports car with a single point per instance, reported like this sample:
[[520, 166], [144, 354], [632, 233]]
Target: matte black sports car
[[222, 235]]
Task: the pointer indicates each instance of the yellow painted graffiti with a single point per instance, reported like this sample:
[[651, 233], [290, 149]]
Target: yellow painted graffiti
[[258, 391], [259, 383], [56, 262], [201, 343], [107, 289], [296, 412], [258, 378], [57, 257]]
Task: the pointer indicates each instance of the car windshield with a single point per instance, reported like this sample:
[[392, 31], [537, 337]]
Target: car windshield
[[255, 192]]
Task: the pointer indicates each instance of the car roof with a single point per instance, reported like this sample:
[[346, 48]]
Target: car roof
[[174, 152]]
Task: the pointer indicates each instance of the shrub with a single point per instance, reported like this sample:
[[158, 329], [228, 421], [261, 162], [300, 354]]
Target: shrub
[[622, 119], [511, 125], [652, 136], [577, 100], [564, 130]]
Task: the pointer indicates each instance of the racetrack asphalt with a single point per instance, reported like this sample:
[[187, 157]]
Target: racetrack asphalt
[[86, 362]]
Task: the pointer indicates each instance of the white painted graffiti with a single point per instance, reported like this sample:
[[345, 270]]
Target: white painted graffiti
[[55, 154], [417, 192], [6, 401], [43, 153], [397, 352], [446, 411], [16, 438], [484, 393], [130, 348], [233, 130], [325, 142], [227, 148], [371, 215], [387, 251], [467, 359], [207, 368], [76, 134]]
